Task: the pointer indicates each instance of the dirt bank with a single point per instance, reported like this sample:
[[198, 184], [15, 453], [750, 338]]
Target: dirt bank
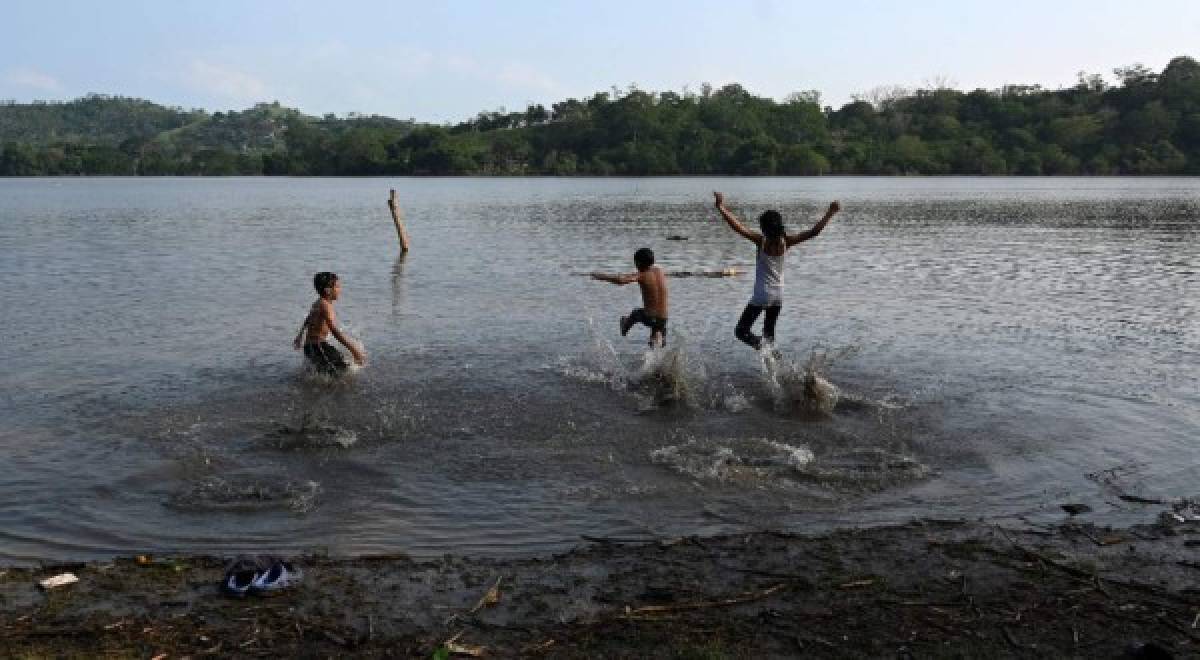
[[927, 589]]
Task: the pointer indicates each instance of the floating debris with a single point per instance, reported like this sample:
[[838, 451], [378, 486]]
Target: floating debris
[[724, 272], [60, 580]]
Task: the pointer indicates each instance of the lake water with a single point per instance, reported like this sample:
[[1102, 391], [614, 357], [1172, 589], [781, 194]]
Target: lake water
[[998, 347]]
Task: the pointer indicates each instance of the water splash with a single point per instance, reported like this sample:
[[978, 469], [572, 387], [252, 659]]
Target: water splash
[[659, 375], [665, 374], [396, 418], [312, 376], [802, 386], [599, 362], [731, 400]]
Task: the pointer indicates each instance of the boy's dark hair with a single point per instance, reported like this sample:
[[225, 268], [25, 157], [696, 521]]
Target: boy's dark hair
[[643, 258], [324, 280], [771, 223]]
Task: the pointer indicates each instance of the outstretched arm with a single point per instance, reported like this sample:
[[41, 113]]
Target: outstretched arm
[[620, 279], [732, 221], [834, 207]]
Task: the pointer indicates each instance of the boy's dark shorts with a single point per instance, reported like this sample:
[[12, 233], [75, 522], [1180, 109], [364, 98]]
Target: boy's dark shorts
[[325, 358], [655, 323]]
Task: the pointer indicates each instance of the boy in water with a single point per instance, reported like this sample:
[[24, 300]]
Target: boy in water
[[653, 282], [772, 243], [319, 324]]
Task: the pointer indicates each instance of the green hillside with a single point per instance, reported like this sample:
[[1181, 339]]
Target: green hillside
[[1148, 123], [95, 119]]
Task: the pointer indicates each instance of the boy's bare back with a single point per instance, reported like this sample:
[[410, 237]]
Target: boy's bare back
[[653, 283]]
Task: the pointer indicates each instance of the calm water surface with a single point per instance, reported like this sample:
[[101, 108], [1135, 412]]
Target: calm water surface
[[998, 347]]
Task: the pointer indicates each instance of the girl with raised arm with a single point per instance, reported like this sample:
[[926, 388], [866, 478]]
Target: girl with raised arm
[[773, 243]]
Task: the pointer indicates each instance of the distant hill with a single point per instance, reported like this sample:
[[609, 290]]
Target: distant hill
[[1149, 123], [95, 119], [102, 134], [259, 128]]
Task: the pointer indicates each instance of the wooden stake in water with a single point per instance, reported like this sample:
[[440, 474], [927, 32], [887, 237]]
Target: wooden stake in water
[[401, 232]]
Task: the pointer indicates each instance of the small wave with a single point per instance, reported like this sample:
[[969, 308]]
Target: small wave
[[311, 435], [697, 461], [753, 460], [868, 467], [765, 463], [220, 494]]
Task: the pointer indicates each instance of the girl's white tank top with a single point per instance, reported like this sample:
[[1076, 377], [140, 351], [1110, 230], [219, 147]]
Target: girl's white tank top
[[768, 277]]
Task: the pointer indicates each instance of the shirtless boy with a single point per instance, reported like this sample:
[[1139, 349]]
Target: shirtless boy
[[653, 282], [319, 324]]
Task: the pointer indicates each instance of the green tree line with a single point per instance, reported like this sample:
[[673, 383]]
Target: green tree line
[[1147, 123]]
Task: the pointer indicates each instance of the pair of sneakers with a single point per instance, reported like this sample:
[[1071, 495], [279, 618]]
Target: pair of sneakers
[[261, 576]]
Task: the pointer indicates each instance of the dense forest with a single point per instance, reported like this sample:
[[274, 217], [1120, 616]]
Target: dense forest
[[1148, 123]]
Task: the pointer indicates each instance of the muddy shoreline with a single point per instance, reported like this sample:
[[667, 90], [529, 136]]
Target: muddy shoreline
[[928, 588]]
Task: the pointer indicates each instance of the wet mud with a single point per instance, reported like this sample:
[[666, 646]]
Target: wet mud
[[926, 589]]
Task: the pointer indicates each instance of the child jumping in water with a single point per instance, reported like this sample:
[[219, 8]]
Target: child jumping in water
[[653, 282], [772, 244], [319, 324]]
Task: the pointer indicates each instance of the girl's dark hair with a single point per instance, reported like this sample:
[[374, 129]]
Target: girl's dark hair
[[324, 280], [771, 223]]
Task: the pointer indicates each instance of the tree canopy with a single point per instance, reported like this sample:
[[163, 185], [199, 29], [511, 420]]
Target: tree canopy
[[1148, 123]]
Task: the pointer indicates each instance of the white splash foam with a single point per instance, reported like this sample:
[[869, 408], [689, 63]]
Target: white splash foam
[[755, 461], [796, 457], [665, 372], [694, 460], [735, 402], [657, 375], [803, 386], [345, 438], [598, 364]]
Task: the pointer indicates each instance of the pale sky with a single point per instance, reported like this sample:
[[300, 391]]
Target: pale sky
[[446, 61]]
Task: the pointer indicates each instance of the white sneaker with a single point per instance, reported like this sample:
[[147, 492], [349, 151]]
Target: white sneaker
[[279, 578], [241, 574]]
